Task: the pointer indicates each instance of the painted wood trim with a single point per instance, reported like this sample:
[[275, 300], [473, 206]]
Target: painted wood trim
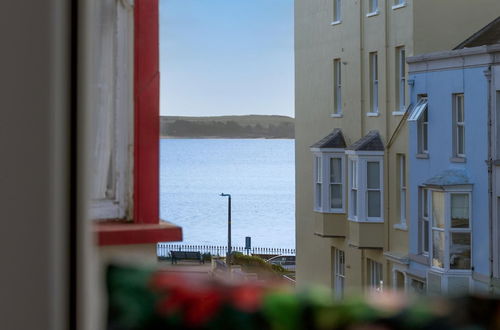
[[118, 232], [146, 112]]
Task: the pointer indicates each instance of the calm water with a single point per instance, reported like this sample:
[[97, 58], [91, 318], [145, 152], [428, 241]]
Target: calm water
[[259, 175]]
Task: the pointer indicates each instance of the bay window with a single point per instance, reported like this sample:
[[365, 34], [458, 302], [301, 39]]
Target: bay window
[[424, 221], [329, 182], [451, 230], [366, 188]]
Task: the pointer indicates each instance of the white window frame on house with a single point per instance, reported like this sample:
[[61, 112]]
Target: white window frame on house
[[374, 104], [459, 125], [373, 8], [401, 165], [448, 231], [358, 185], [400, 79], [337, 12], [420, 114], [375, 276], [323, 180], [339, 273], [399, 4], [337, 88], [424, 224]]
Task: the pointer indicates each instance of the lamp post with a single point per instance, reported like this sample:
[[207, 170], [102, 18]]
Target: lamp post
[[228, 226]]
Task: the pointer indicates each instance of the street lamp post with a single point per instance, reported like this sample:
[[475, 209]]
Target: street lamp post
[[228, 226]]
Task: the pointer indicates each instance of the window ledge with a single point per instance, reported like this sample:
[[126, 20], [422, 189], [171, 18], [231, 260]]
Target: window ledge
[[336, 115], [398, 113], [422, 156], [373, 114], [401, 226], [336, 22], [401, 5], [119, 232], [374, 13], [366, 221], [458, 159]]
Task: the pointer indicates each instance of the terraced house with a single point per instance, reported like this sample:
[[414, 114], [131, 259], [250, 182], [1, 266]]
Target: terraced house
[[352, 103]]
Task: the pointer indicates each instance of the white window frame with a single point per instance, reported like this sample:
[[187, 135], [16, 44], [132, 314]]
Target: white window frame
[[358, 176], [337, 87], [401, 79], [112, 157], [420, 114], [374, 90], [401, 160], [373, 8], [424, 219], [458, 124], [337, 12], [448, 230], [375, 275], [339, 273], [322, 202]]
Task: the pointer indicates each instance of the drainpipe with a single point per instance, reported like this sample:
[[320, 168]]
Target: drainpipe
[[489, 162]]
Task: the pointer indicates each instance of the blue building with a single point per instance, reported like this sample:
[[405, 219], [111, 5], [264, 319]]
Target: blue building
[[454, 167]]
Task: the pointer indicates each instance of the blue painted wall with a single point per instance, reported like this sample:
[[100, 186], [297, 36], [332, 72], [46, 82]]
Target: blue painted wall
[[440, 87]]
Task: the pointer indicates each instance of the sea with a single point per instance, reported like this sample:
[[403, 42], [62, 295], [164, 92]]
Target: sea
[[258, 173]]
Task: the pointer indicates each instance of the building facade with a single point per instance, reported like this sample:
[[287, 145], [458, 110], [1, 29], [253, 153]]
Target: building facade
[[452, 156], [352, 97]]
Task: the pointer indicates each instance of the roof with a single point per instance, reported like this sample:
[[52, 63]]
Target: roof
[[451, 177], [488, 35], [369, 142], [333, 140]]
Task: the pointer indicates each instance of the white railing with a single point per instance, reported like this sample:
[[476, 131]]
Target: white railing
[[163, 249]]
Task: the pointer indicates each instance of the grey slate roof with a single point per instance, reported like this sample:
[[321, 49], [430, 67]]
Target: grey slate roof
[[448, 178], [488, 35], [369, 142], [333, 140]]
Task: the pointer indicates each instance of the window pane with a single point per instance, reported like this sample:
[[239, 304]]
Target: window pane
[[373, 175], [460, 108], [438, 248], [354, 174], [425, 201], [374, 204], [318, 194], [335, 170], [459, 210], [460, 251], [318, 169], [336, 196], [460, 139], [354, 202], [437, 209], [424, 136], [426, 237]]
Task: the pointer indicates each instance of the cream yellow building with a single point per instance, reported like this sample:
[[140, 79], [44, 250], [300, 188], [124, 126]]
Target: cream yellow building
[[351, 136]]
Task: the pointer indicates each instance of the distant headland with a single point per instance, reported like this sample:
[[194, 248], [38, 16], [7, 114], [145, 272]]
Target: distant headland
[[232, 127]]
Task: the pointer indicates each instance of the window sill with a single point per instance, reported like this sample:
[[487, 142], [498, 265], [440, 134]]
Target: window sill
[[398, 113], [402, 5], [333, 211], [366, 221], [119, 232], [336, 115], [401, 226], [375, 13], [422, 156], [373, 114], [336, 22], [458, 159]]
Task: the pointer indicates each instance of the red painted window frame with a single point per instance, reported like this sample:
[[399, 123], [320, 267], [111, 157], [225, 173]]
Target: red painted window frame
[[146, 226]]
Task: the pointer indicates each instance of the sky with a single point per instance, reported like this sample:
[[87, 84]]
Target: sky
[[226, 57]]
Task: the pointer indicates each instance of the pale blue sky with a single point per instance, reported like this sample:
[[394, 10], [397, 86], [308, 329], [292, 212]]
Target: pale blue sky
[[224, 57]]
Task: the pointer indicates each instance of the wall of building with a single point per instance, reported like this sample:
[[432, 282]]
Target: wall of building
[[439, 86]]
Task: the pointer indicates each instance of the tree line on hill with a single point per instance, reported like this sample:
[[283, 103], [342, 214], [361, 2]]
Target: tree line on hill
[[226, 129]]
